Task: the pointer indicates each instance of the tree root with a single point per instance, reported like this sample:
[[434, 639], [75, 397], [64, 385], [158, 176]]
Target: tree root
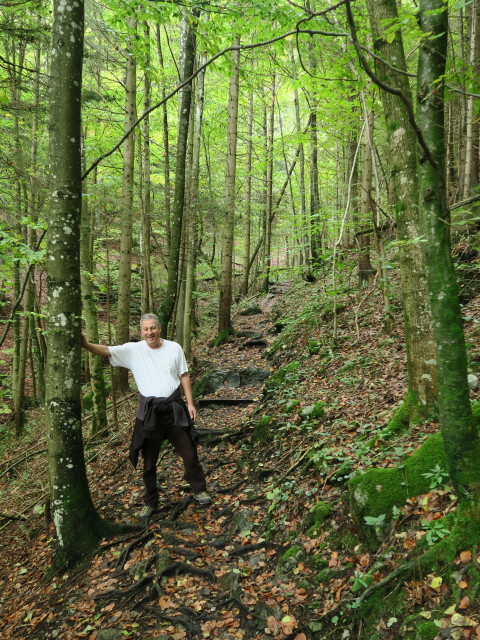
[[193, 630], [173, 569], [465, 534]]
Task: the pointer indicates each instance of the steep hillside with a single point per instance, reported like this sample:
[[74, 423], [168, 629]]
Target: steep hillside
[[289, 547]]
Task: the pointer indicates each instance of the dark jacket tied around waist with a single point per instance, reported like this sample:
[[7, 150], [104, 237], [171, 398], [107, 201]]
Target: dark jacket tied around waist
[[148, 410]]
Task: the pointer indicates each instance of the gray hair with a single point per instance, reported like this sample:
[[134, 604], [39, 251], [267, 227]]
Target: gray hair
[[149, 316]]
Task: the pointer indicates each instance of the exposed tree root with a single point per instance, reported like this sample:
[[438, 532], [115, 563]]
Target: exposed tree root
[[465, 535], [193, 630]]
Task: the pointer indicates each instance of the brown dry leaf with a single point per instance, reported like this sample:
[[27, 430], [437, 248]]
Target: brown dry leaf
[[463, 584], [333, 562], [364, 560], [301, 636], [409, 543], [465, 556], [272, 625], [464, 603]]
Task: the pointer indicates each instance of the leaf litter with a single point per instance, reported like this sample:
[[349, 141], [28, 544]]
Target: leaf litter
[[220, 571]]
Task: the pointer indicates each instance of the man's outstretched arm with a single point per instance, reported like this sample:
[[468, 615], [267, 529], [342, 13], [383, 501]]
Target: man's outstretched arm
[[97, 349]]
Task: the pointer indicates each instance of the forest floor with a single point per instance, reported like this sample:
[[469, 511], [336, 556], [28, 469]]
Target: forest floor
[[250, 566]]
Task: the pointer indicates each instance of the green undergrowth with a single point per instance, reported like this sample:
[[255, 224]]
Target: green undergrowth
[[368, 492]]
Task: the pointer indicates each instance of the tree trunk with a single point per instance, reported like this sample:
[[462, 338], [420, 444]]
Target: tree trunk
[[304, 238], [125, 265], [147, 289], [459, 432], [269, 192], [225, 302], [247, 217], [77, 524], [191, 249], [422, 389], [97, 381], [166, 146], [365, 268], [168, 304]]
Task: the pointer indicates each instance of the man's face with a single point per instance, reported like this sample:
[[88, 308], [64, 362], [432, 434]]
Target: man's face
[[151, 333]]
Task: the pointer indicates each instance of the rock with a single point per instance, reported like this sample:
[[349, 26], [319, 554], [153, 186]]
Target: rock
[[229, 581], [253, 375], [252, 310], [257, 560], [241, 521], [216, 379], [472, 382]]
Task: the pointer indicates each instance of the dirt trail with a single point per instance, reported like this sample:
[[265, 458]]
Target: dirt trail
[[194, 572]]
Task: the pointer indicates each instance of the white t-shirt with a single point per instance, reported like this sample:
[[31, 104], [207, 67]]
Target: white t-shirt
[[156, 371]]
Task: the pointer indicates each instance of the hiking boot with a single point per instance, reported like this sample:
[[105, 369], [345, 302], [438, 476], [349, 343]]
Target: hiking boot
[[202, 497], [146, 512]]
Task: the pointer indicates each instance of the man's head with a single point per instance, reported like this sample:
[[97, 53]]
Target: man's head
[[151, 330]]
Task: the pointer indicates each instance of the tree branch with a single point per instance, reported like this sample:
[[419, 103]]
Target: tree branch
[[393, 90], [243, 47]]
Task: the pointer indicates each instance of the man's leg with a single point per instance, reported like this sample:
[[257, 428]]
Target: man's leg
[[184, 446], [150, 451]]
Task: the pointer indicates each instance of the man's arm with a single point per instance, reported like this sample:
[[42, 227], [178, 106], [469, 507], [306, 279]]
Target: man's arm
[[187, 390], [96, 349]]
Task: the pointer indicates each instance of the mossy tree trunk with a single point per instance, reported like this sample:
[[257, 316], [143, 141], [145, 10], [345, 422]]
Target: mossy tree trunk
[[403, 170], [78, 526], [459, 432]]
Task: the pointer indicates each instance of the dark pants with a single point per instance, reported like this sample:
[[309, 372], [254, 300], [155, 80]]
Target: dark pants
[[182, 442]]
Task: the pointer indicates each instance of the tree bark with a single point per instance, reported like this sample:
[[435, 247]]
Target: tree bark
[[97, 381], [459, 432], [125, 265], [168, 303], [420, 348], [78, 526], [225, 301]]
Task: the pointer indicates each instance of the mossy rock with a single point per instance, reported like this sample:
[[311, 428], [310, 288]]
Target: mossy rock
[[290, 559], [252, 310], [317, 515], [375, 492], [281, 376]]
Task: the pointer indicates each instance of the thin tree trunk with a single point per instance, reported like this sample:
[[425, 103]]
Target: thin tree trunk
[[191, 250], [97, 381], [269, 189], [304, 237], [168, 304], [125, 265], [225, 302], [166, 146], [366, 271], [247, 218]]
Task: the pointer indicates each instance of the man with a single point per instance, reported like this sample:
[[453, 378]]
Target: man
[[160, 371]]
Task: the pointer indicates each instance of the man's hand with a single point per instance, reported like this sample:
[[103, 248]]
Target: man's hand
[[96, 349], [192, 412]]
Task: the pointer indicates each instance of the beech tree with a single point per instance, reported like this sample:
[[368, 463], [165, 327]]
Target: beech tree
[[77, 524]]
